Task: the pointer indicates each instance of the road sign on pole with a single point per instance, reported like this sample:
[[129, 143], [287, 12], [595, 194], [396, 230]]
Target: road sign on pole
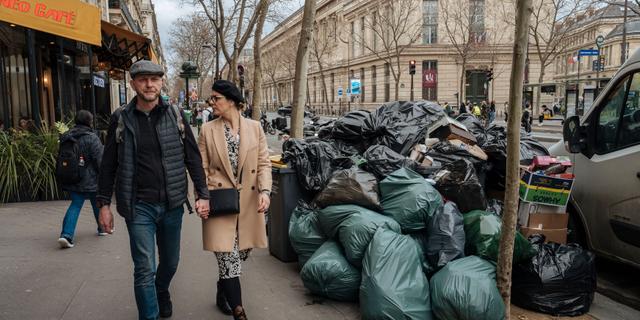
[[588, 52], [355, 86], [340, 92]]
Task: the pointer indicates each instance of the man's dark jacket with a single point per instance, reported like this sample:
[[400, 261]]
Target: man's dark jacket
[[119, 160], [91, 150]]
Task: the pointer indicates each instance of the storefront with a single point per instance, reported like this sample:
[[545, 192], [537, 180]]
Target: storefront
[[57, 57]]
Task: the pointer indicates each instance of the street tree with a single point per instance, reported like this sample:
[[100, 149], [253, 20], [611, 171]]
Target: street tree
[[302, 65], [257, 60], [271, 64], [394, 26], [464, 29], [188, 39], [323, 45], [505, 257]]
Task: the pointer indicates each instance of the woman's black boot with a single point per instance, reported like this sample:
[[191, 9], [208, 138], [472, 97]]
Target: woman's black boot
[[221, 301]]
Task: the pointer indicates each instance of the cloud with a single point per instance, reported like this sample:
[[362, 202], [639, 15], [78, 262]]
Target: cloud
[[167, 12]]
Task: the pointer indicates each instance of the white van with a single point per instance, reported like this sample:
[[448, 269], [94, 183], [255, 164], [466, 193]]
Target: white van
[[605, 149]]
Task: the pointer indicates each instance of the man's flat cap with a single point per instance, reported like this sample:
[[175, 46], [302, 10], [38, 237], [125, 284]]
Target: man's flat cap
[[145, 67]]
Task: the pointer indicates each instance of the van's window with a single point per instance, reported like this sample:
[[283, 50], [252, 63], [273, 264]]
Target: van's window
[[619, 120]]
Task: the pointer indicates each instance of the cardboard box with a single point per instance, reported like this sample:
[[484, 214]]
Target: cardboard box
[[525, 209], [450, 129], [539, 188], [552, 225]]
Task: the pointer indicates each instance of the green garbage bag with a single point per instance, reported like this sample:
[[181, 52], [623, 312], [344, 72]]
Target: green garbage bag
[[328, 274], [304, 232], [422, 240], [482, 233], [409, 199], [393, 284], [356, 233], [465, 289], [331, 217]]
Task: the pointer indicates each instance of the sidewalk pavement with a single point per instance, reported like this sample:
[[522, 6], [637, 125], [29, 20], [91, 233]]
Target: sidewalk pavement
[[94, 279]]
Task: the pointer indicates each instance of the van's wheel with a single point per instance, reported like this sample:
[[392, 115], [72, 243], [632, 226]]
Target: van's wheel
[[575, 228]]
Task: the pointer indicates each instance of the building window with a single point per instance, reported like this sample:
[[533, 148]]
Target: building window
[[315, 97], [362, 36], [114, 4], [387, 84], [374, 87], [353, 42], [476, 25], [333, 88], [362, 84], [430, 80], [374, 34], [429, 21]]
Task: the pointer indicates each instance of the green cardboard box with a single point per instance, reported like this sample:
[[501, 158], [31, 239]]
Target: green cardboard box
[[538, 188]]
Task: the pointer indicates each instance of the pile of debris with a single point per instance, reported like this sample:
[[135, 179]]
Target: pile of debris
[[403, 219]]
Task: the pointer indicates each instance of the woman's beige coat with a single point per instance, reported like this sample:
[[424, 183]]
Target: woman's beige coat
[[253, 158]]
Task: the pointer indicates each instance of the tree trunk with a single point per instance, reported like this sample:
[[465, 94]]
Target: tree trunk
[[539, 89], [257, 68], [505, 257], [461, 94], [302, 65]]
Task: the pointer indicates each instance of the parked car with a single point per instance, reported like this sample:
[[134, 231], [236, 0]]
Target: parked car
[[286, 111], [604, 145]]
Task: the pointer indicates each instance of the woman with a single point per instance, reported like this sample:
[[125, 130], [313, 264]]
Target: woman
[[232, 145], [90, 157]]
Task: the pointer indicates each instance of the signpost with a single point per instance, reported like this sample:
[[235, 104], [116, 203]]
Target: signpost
[[583, 52], [600, 64]]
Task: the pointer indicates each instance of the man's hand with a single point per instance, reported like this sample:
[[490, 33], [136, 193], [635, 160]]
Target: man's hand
[[263, 203], [106, 219], [202, 208]]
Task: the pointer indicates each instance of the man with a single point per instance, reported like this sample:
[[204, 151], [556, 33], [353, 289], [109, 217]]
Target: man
[[148, 149]]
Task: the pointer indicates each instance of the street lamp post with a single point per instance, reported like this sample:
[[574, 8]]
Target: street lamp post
[[189, 70]]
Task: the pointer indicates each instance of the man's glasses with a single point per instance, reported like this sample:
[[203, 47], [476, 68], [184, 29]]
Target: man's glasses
[[216, 98]]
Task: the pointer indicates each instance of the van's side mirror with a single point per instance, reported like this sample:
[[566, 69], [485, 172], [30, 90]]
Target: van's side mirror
[[573, 135]]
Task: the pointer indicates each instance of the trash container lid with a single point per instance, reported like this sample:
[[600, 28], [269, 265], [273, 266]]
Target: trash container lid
[[282, 170]]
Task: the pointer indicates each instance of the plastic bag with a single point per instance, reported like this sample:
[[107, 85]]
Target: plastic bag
[[328, 274], [444, 152], [382, 161], [356, 232], [445, 240], [474, 126], [465, 289], [409, 199], [459, 183], [312, 161], [331, 217], [421, 238], [559, 280], [482, 232], [354, 126], [400, 125], [304, 232], [351, 186], [393, 284]]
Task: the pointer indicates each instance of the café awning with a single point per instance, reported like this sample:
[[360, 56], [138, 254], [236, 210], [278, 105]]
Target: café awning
[[71, 19], [121, 47]]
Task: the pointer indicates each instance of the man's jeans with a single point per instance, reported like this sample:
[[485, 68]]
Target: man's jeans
[[153, 222], [71, 217]]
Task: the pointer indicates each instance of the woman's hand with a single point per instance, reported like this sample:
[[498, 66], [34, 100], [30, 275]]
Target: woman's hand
[[202, 208], [263, 202]]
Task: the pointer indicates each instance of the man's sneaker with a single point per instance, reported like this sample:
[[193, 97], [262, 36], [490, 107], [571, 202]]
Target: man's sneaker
[[164, 304], [102, 234], [65, 243]]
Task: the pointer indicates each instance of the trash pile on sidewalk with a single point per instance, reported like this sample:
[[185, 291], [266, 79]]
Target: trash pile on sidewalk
[[405, 218]]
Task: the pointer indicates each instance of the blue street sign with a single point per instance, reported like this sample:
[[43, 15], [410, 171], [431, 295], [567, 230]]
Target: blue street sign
[[590, 52], [355, 86], [339, 92]]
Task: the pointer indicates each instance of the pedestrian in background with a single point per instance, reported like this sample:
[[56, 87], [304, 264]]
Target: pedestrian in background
[[89, 158], [235, 156], [148, 150]]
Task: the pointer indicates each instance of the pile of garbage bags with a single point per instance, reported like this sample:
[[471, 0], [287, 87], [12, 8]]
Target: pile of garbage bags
[[401, 221]]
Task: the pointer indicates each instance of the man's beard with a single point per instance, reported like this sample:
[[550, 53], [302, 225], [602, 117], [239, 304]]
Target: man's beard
[[142, 96]]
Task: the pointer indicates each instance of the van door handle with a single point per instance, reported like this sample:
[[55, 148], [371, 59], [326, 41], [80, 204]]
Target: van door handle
[[638, 175]]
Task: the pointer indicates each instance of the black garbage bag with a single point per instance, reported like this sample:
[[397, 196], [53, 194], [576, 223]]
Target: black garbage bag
[[347, 148], [495, 206], [475, 126], [400, 125], [350, 186], [445, 240], [444, 152], [458, 182], [482, 237], [409, 199], [393, 284], [328, 274], [356, 232], [465, 289], [529, 148], [354, 126], [382, 161], [312, 161], [422, 239], [559, 280], [304, 231]]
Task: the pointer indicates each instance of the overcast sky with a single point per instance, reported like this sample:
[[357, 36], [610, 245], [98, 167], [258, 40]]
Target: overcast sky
[[167, 11]]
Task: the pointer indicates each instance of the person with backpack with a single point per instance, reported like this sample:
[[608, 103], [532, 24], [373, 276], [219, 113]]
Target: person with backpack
[[77, 166], [149, 149]]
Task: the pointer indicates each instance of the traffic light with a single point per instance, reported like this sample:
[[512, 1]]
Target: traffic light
[[490, 74], [412, 67]]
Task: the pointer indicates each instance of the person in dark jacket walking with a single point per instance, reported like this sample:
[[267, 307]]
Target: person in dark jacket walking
[[91, 151], [148, 150]]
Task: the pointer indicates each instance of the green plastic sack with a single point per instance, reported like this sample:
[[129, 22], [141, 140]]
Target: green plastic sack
[[328, 274], [356, 233], [409, 199], [331, 217], [482, 232], [393, 284], [304, 232], [422, 240], [465, 289]]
